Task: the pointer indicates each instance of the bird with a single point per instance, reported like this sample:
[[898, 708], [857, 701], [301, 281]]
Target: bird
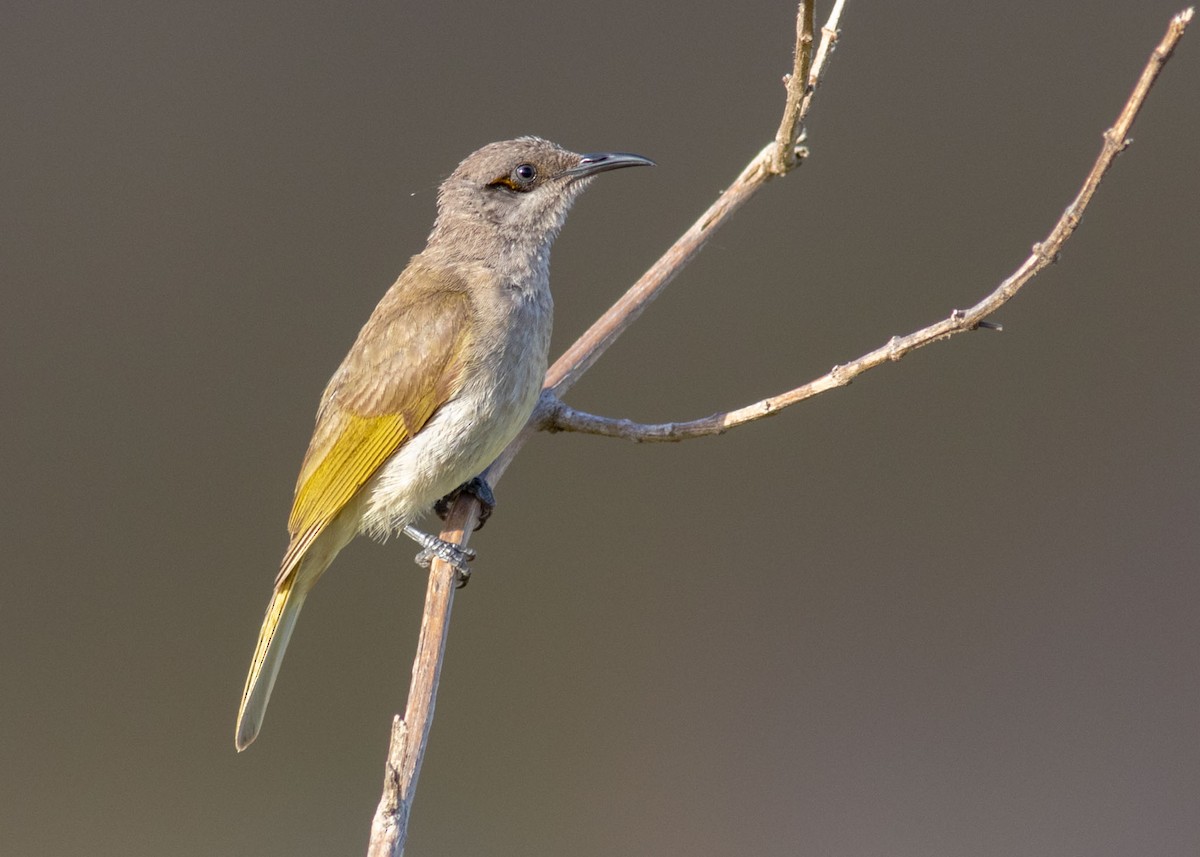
[[444, 373]]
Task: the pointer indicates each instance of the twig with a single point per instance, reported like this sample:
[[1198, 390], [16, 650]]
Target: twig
[[558, 416], [785, 155], [410, 733], [595, 341]]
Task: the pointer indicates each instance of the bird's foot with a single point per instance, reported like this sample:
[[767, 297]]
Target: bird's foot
[[433, 548], [479, 489]]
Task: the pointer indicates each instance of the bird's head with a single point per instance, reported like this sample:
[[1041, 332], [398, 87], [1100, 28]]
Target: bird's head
[[517, 193]]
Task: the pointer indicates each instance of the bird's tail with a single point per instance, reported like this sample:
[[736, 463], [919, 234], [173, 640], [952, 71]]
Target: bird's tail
[[277, 629]]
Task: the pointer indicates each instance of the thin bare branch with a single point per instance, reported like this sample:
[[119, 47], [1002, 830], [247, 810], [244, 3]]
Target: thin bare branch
[[410, 733], [595, 341], [829, 37], [558, 416], [785, 155]]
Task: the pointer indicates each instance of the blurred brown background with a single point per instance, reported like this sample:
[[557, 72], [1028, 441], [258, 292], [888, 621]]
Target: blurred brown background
[[953, 609]]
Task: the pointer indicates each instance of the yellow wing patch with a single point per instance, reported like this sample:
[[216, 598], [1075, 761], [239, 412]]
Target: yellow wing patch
[[362, 446], [338, 471]]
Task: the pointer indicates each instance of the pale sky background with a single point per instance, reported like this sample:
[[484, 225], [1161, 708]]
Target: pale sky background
[[951, 610]]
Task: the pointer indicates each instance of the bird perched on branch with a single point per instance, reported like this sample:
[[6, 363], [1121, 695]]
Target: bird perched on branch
[[443, 375]]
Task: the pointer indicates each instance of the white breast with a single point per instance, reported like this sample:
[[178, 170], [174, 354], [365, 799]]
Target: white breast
[[467, 433]]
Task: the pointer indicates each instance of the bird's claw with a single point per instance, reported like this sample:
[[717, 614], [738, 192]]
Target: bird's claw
[[433, 548], [448, 553], [479, 489]]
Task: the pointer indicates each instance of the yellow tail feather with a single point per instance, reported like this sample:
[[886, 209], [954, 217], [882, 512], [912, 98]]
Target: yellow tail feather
[[277, 629], [307, 558]]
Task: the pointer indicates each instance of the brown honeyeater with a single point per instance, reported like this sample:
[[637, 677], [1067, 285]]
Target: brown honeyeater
[[442, 376]]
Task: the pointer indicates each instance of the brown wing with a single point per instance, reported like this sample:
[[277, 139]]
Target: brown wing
[[404, 365]]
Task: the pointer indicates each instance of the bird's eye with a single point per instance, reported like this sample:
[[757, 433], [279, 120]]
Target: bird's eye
[[520, 180]]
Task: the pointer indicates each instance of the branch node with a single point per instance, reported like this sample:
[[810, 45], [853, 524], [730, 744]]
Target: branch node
[[1116, 141], [1046, 251]]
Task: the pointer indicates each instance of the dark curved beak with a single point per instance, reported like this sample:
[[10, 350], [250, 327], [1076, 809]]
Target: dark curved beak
[[602, 162]]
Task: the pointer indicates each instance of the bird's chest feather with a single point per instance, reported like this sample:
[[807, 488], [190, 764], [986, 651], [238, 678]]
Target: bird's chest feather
[[503, 376]]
